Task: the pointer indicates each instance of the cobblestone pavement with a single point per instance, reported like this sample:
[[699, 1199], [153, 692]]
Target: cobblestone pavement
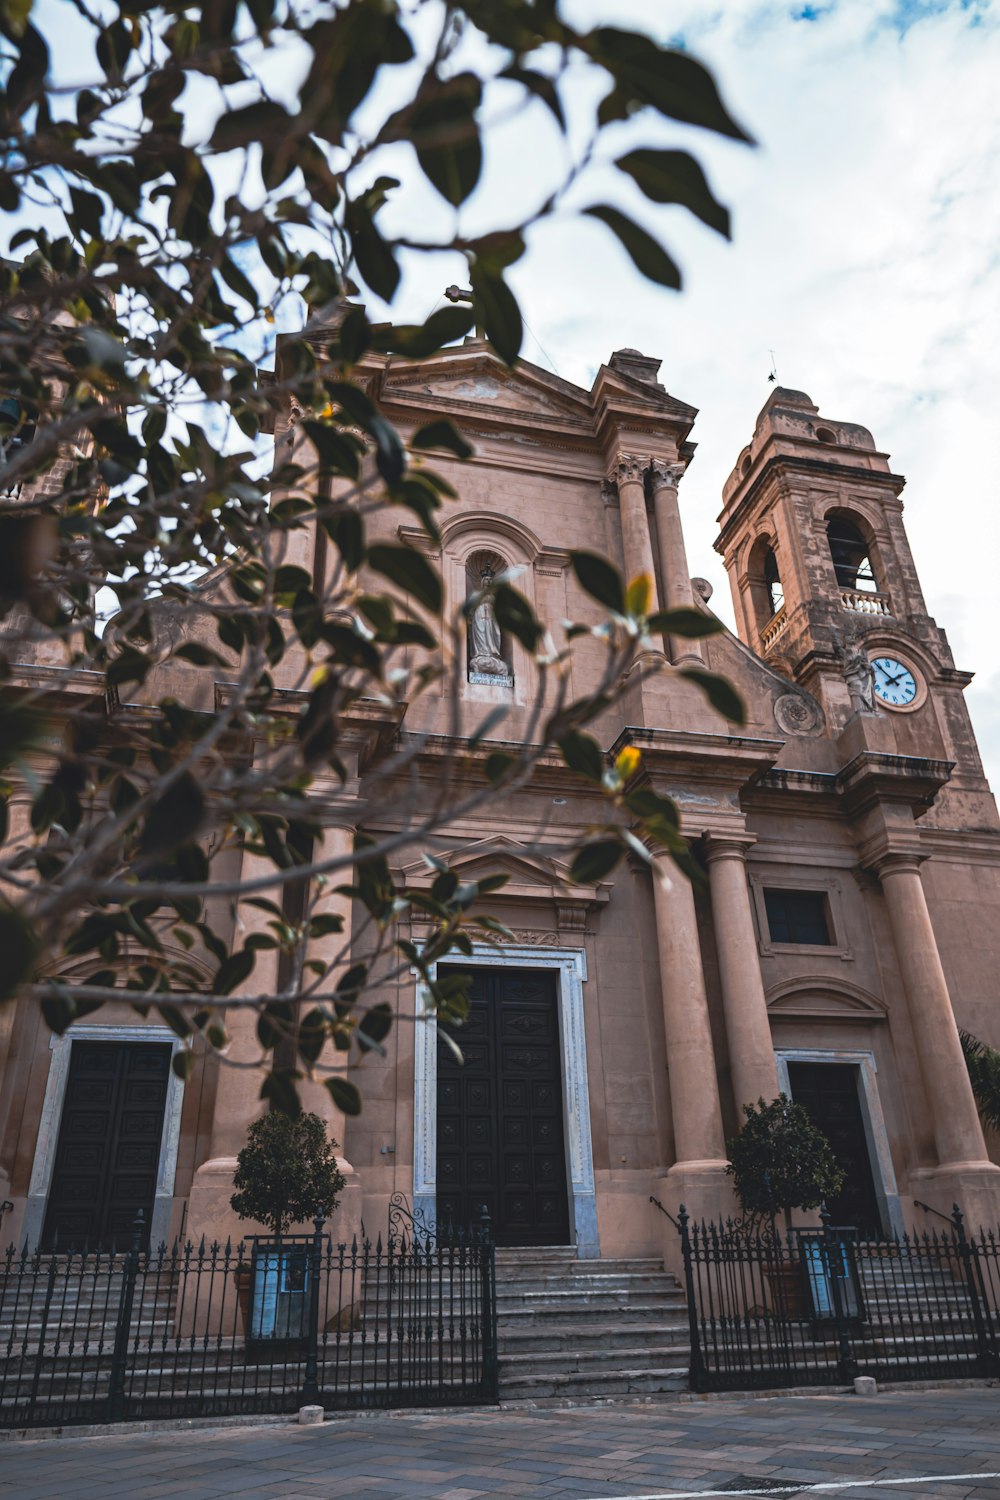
[[890, 1447]]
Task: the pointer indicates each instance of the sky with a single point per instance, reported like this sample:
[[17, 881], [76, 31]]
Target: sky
[[865, 253]]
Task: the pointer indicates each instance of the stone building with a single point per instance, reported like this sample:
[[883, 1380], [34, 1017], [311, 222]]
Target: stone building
[[850, 915]]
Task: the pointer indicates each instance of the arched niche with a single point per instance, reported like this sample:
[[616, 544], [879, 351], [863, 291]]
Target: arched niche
[[489, 648], [463, 539]]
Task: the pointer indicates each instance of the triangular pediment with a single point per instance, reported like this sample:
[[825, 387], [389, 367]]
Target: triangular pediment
[[474, 383], [530, 876], [818, 997]]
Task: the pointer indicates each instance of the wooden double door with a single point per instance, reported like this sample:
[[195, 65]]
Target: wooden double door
[[500, 1135], [108, 1152]]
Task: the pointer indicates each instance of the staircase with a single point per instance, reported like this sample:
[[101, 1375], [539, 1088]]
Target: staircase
[[569, 1328]]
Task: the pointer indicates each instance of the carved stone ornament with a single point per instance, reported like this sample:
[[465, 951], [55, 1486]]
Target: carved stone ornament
[[857, 671], [627, 468], [796, 713], [532, 937], [664, 473]]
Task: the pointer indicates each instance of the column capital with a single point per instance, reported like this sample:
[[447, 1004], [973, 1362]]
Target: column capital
[[628, 468], [898, 862], [727, 846], [666, 474]]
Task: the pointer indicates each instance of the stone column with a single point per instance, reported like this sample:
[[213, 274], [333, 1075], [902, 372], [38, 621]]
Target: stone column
[[237, 1096], [674, 573], [748, 1031], [694, 1087], [958, 1134], [333, 841], [628, 472]]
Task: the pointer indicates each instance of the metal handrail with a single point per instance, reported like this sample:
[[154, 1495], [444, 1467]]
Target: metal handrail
[[665, 1211]]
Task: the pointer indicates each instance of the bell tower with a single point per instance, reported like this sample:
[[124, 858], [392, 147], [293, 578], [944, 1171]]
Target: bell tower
[[819, 564]]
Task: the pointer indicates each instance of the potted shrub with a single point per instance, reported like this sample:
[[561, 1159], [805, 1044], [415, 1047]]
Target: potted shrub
[[286, 1173], [780, 1161]]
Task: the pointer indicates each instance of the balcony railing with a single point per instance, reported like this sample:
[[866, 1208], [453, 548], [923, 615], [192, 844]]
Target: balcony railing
[[773, 629], [865, 602]]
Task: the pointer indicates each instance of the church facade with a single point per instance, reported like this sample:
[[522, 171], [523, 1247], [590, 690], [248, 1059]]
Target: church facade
[[847, 926]]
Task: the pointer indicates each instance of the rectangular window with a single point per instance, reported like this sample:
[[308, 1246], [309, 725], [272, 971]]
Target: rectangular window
[[798, 917]]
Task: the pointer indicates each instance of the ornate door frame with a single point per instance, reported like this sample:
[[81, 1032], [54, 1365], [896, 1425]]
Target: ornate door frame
[[571, 967], [51, 1117]]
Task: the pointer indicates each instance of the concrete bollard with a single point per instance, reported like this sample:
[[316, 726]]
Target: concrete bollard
[[311, 1416], [864, 1385]]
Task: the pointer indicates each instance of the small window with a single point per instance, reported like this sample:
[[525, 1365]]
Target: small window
[[824, 435], [798, 917]]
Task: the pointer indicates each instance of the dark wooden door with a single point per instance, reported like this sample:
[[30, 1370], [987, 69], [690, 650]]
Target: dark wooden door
[[829, 1094], [500, 1113], [109, 1143]]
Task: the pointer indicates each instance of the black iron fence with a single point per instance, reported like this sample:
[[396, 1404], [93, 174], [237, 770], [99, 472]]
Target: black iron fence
[[819, 1307], [264, 1326]]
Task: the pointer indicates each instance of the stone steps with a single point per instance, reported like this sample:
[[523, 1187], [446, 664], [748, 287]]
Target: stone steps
[[570, 1329]]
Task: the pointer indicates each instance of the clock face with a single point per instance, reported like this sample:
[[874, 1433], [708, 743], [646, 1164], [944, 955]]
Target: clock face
[[894, 683]]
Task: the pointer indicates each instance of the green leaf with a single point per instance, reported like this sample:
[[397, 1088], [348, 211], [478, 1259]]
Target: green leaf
[[675, 177], [175, 818], [344, 1094], [498, 310], [595, 861], [19, 948], [338, 452], [346, 530], [280, 1092], [374, 1026], [647, 255], [498, 765], [515, 614], [200, 656], [420, 340], [250, 125], [442, 434], [720, 693], [692, 624], [583, 754], [375, 260], [411, 571], [233, 970], [442, 130], [672, 82], [600, 579]]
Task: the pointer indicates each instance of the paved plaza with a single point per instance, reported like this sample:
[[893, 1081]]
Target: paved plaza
[[940, 1444]]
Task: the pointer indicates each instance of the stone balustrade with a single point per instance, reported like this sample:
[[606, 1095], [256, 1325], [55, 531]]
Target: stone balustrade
[[773, 629], [860, 602]]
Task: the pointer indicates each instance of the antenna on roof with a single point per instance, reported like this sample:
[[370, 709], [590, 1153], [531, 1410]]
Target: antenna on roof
[[773, 377]]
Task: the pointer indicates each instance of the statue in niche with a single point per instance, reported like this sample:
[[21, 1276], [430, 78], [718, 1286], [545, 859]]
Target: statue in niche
[[485, 640], [857, 671]]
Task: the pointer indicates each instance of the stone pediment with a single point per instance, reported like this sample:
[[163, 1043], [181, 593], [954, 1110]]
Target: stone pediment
[[475, 384], [822, 998], [530, 876]]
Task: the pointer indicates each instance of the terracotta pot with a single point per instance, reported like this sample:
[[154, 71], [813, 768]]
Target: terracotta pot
[[242, 1279], [788, 1291]]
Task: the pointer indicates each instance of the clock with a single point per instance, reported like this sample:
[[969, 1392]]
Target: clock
[[895, 685]]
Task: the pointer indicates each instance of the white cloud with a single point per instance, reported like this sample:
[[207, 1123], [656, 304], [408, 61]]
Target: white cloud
[[866, 253]]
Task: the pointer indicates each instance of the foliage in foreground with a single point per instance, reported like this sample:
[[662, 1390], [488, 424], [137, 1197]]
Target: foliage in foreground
[[177, 195], [983, 1063], [780, 1160]]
